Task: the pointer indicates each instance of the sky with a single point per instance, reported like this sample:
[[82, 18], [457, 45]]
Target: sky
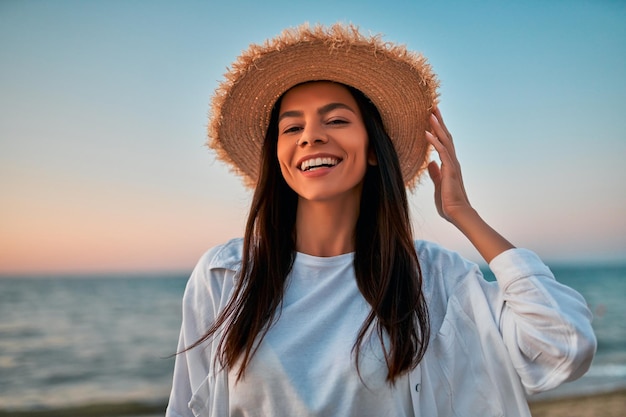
[[104, 105]]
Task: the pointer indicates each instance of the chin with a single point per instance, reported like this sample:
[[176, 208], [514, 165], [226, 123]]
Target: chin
[[330, 195]]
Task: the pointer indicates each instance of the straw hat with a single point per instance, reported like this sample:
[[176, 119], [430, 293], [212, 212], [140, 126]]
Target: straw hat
[[400, 83]]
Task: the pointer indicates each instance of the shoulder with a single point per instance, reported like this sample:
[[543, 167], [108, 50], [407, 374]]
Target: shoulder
[[225, 256], [444, 270], [434, 257], [217, 266]]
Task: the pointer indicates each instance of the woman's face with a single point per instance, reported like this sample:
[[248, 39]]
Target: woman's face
[[322, 144]]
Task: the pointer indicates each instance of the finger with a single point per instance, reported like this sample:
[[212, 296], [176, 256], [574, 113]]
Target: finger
[[434, 172], [438, 129], [437, 113], [440, 136], [435, 175], [447, 160], [436, 143]]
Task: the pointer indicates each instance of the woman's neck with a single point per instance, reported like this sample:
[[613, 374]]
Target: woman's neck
[[326, 228]]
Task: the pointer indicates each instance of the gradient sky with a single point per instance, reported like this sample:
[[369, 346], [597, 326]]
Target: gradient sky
[[103, 112]]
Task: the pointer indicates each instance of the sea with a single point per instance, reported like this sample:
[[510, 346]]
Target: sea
[[103, 345]]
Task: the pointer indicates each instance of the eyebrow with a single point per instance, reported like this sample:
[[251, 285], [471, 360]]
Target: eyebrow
[[321, 111]]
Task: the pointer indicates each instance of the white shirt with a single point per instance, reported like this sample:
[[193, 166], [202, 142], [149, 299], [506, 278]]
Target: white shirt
[[305, 366], [491, 342]]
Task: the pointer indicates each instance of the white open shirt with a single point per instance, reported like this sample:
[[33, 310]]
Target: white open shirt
[[491, 342]]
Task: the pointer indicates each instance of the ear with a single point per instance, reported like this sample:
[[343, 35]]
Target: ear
[[371, 157]]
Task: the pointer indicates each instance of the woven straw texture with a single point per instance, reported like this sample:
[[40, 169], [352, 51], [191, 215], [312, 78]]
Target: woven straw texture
[[400, 83]]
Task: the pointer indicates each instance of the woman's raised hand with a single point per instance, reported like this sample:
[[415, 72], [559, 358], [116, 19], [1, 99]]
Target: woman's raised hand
[[450, 195], [451, 198]]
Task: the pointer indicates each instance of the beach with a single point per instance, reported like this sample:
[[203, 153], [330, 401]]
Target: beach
[[612, 404]]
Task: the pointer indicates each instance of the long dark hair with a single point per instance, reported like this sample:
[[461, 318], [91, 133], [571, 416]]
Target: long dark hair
[[385, 262]]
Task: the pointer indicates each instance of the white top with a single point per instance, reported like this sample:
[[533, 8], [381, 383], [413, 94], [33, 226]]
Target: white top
[[305, 366], [491, 342]]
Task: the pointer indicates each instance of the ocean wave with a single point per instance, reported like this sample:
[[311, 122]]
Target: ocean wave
[[608, 370]]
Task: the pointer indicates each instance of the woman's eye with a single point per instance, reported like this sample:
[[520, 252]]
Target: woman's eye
[[337, 122], [292, 129]]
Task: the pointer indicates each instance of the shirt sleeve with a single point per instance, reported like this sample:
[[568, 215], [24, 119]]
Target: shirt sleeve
[[545, 325], [200, 307]]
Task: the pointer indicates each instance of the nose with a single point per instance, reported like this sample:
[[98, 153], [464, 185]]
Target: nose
[[312, 135]]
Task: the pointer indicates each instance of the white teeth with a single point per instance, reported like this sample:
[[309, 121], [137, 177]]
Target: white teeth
[[318, 162]]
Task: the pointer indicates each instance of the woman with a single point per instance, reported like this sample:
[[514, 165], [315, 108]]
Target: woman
[[327, 306]]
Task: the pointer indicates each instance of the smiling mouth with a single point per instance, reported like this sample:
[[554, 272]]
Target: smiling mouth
[[317, 163]]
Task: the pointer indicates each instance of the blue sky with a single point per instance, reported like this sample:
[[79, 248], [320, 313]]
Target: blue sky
[[103, 113]]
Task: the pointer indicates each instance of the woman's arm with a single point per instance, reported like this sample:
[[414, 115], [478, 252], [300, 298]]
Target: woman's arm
[[450, 196], [545, 325]]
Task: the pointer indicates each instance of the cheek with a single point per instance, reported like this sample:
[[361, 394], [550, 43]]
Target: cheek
[[281, 152], [284, 155]]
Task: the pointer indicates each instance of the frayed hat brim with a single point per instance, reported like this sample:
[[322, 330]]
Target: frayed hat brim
[[400, 83]]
